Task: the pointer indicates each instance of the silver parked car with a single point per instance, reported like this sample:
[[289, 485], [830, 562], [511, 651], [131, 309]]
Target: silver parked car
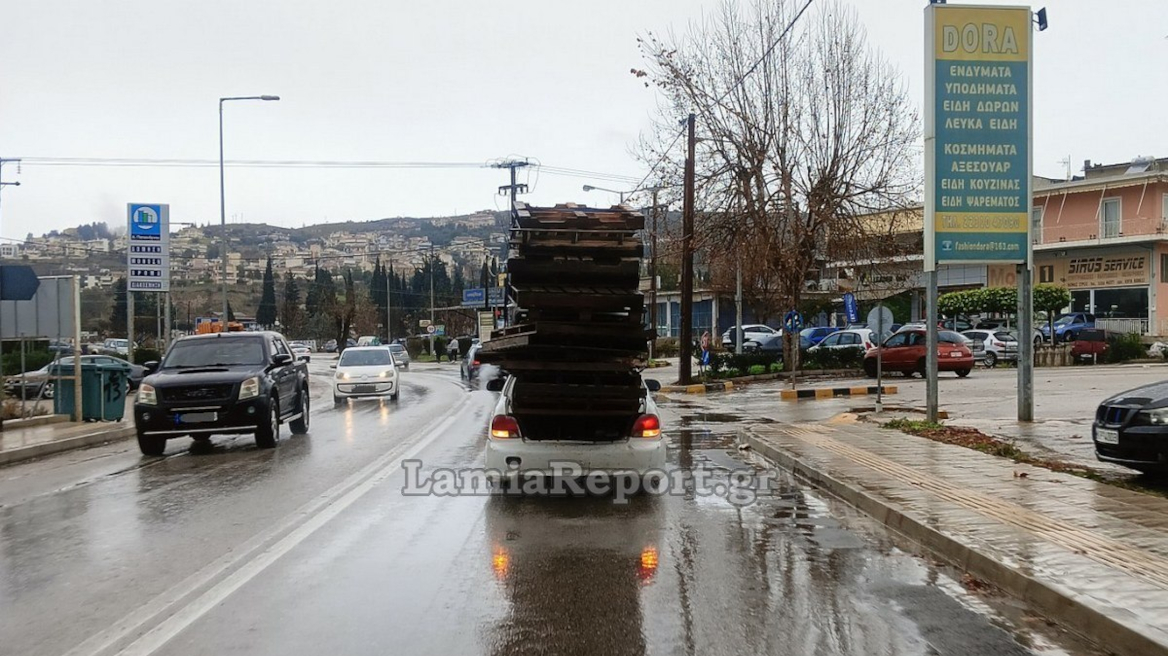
[[997, 345]]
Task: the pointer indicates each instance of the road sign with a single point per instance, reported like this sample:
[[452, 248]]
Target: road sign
[[474, 297], [18, 283], [880, 321], [431, 329], [422, 323], [148, 252], [439, 329], [851, 308], [977, 135], [486, 322], [793, 322]]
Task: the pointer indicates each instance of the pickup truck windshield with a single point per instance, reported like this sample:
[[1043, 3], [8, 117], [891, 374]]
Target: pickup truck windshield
[[214, 352], [365, 358]]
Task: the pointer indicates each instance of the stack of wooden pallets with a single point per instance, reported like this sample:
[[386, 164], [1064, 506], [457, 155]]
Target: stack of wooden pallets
[[578, 340]]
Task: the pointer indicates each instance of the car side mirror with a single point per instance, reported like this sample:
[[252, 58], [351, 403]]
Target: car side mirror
[[332, 366], [151, 366], [653, 385], [281, 359], [495, 385]]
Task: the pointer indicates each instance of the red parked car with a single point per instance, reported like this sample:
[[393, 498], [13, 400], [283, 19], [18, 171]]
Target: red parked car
[[1089, 344], [905, 352]]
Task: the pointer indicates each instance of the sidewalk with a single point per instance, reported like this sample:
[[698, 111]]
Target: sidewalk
[[1089, 555], [21, 443]]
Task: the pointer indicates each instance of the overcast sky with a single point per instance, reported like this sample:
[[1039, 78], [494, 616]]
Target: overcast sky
[[450, 81]]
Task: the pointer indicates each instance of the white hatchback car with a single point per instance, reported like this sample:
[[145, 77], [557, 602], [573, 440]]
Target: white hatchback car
[[635, 447], [854, 338], [365, 371]]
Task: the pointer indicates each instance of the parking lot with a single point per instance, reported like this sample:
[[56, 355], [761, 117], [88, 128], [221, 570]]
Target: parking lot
[[1065, 399]]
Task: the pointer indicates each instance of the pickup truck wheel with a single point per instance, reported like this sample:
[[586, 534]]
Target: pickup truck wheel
[[268, 432], [151, 445], [300, 426]]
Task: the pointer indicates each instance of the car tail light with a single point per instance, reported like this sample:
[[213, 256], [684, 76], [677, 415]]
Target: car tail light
[[504, 427], [999, 344], [475, 363], [647, 426]]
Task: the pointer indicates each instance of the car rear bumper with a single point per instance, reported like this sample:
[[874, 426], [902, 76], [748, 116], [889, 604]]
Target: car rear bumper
[[953, 364], [636, 455], [166, 421]]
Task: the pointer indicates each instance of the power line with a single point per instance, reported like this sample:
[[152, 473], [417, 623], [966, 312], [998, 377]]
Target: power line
[[765, 54]]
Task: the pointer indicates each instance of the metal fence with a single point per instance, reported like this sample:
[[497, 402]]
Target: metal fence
[[1123, 326]]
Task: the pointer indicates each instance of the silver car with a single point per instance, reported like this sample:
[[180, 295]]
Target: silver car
[[996, 345], [401, 356]]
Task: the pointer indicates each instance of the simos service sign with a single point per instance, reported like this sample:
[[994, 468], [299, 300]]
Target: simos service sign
[[977, 134]]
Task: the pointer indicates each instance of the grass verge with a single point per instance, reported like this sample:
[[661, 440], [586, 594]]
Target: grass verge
[[971, 438]]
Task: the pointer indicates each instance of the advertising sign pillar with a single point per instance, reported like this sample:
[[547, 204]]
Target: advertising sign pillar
[[978, 126]]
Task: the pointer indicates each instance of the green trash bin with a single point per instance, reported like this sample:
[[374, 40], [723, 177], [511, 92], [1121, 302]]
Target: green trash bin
[[103, 391]]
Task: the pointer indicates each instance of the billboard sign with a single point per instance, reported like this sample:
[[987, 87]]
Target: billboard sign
[[148, 250], [977, 134]]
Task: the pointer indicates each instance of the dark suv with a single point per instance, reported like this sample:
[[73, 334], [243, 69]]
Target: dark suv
[[1131, 429], [222, 383]]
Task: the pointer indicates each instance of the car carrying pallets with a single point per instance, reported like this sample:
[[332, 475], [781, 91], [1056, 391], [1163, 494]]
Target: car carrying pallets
[[578, 338]]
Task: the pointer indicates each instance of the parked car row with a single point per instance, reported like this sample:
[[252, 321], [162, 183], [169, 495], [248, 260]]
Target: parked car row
[[41, 384]]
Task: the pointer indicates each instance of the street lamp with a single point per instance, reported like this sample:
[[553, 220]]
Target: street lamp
[[223, 203], [611, 191]]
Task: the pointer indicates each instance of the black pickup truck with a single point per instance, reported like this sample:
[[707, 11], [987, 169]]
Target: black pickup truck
[[222, 383]]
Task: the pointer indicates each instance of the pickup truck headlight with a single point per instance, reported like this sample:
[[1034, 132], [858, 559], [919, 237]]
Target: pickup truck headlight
[[250, 388], [1157, 417], [147, 395]]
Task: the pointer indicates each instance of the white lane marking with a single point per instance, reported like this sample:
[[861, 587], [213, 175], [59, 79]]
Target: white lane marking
[[178, 607]]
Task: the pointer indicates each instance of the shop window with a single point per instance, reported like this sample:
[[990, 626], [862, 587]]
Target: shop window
[[1036, 223], [1164, 267]]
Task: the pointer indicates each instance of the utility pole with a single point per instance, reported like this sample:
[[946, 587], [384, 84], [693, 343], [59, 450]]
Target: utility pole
[[653, 272], [685, 369], [513, 190], [432, 299], [3, 161]]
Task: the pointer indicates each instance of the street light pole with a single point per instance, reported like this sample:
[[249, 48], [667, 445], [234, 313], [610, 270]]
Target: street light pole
[[619, 193], [223, 204]]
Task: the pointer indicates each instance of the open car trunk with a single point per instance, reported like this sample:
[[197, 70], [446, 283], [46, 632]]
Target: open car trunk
[[587, 406]]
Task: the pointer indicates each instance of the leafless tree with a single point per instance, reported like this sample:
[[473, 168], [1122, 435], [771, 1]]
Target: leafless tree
[[797, 148]]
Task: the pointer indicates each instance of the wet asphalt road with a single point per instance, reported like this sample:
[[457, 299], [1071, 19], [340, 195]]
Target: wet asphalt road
[[313, 548]]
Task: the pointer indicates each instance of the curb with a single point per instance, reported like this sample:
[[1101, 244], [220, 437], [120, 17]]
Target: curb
[[1062, 605], [834, 392], [11, 456], [39, 420], [699, 388]]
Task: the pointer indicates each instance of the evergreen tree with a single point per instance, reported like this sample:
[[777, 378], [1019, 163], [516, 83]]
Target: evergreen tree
[[290, 314], [266, 312]]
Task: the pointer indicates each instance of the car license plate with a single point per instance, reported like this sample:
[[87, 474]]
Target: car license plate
[[364, 389], [195, 417], [1106, 436], [954, 354]]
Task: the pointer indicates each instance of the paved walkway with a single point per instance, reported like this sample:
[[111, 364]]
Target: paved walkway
[[21, 443], [1091, 555]]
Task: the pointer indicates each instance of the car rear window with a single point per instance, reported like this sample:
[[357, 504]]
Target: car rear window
[[950, 337], [370, 358]]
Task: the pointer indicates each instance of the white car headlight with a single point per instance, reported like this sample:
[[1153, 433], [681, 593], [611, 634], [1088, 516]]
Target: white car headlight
[[342, 375], [147, 395], [388, 373], [250, 388]]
